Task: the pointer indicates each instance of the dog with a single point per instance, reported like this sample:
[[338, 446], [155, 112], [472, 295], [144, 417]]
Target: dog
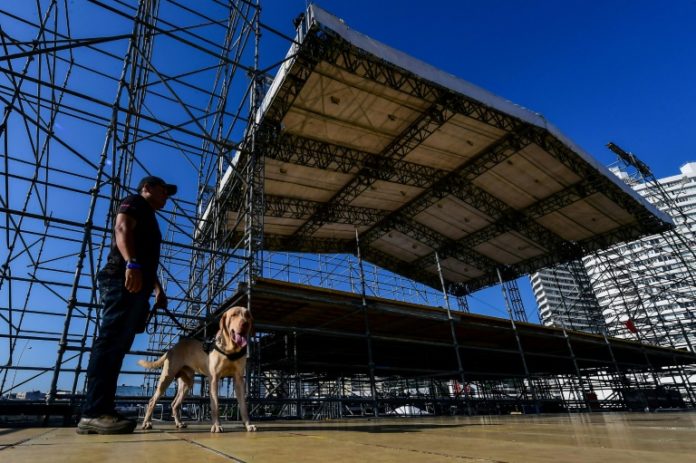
[[188, 357]]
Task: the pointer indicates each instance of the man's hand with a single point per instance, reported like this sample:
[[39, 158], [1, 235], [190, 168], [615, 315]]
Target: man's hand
[[134, 280], [160, 298]]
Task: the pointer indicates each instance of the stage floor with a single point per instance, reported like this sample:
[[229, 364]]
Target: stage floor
[[600, 437]]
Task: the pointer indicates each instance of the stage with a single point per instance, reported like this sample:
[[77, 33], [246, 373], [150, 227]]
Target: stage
[[310, 329]]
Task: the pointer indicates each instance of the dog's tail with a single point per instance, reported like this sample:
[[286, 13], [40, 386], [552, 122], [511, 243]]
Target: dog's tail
[[152, 365]]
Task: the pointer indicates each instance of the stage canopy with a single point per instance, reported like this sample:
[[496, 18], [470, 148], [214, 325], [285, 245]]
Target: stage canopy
[[357, 134]]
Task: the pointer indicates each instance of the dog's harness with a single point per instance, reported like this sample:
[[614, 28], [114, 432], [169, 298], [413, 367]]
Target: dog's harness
[[211, 344], [233, 356]]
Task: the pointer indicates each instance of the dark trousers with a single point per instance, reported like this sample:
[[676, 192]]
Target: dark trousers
[[123, 316]]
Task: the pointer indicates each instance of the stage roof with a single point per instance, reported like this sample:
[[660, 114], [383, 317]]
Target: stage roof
[[357, 134], [326, 329]]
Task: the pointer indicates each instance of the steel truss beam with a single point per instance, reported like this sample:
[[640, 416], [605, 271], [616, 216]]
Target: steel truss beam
[[305, 62], [649, 222], [458, 184], [403, 144], [317, 245], [282, 207], [307, 152]]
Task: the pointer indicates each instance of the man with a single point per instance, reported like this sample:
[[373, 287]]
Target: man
[[125, 286]]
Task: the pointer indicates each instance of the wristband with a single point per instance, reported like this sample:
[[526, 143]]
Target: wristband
[[133, 265]]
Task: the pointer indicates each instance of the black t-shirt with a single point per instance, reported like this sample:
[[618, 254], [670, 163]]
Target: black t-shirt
[[147, 238]]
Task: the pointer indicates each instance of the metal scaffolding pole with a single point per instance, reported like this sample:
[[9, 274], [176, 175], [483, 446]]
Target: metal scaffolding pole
[[368, 334], [520, 349], [455, 342]]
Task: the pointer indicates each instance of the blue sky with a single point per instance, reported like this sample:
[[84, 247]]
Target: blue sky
[[615, 70]]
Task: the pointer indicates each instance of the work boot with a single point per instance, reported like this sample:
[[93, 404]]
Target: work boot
[[105, 424]]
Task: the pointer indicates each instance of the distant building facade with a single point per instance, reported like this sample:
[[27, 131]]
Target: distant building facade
[[565, 298], [31, 395], [643, 290]]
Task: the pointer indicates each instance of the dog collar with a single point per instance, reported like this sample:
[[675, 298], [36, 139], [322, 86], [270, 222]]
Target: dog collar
[[234, 355]]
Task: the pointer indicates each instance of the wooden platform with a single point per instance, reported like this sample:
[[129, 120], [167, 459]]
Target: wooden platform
[[639, 437], [327, 330]]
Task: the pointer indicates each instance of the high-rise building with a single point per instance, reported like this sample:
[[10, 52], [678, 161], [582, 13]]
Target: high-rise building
[[565, 298], [645, 289]]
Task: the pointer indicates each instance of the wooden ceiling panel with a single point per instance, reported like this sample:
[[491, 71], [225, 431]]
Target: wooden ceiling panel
[[281, 226], [338, 231], [336, 101], [307, 124], [386, 195], [370, 86], [456, 270], [551, 167], [610, 208], [520, 182], [564, 227], [509, 248], [453, 218], [583, 212], [231, 221], [457, 141], [294, 181], [397, 244]]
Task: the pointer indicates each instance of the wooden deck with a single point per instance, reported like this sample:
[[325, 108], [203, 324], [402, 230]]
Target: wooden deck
[[597, 437]]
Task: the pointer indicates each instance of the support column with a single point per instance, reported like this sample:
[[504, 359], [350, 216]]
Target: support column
[[455, 342], [368, 335], [519, 342]]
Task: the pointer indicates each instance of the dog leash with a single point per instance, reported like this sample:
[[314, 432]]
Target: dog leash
[[153, 316]]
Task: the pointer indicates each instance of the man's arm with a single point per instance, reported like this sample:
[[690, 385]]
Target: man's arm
[[124, 232]]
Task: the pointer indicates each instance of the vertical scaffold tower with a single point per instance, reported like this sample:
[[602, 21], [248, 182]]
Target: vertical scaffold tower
[[165, 88]]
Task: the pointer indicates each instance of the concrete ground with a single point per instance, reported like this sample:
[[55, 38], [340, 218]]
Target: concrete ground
[[596, 437]]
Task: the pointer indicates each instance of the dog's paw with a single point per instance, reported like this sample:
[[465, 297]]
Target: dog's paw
[[146, 426], [181, 425], [250, 427], [216, 428]]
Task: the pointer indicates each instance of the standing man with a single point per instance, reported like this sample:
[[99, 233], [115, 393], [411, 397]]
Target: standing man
[[125, 286]]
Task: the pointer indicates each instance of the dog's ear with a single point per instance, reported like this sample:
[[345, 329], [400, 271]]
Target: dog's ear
[[223, 327]]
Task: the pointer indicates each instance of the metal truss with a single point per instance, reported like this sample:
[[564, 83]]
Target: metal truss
[[404, 143], [301, 209], [608, 188], [326, 156]]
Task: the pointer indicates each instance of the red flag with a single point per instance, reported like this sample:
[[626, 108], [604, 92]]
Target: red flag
[[630, 326]]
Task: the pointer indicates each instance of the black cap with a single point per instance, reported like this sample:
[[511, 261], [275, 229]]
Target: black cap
[[152, 180]]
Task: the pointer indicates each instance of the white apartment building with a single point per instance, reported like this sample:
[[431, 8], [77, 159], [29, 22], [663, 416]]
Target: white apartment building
[[565, 298], [647, 288]]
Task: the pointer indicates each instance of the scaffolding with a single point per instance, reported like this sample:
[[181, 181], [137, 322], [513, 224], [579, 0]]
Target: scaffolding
[[176, 89], [644, 288], [66, 85]]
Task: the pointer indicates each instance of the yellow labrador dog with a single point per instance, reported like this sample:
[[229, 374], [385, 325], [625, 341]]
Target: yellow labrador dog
[[227, 358]]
